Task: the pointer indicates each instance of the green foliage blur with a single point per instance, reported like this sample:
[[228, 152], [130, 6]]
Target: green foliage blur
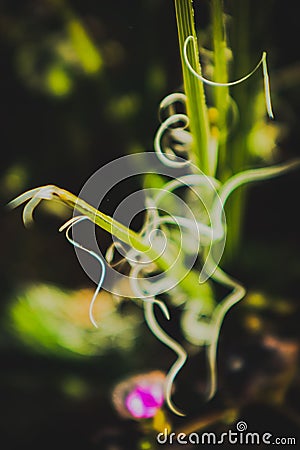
[[80, 86]]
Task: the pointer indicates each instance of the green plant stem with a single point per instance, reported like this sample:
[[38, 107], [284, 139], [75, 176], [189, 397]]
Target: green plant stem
[[193, 87], [221, 94], [189, 280], [238, 159]]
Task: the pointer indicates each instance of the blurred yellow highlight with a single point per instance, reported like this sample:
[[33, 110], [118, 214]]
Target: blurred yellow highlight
[[14, 180], [86, 51], [124, 106], [74, 387], [58, 81]]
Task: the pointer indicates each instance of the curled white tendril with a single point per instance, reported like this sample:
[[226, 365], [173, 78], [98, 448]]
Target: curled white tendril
[[262, 62], [173, 345], [167, 153], [110, 253], [142, 292], [161, 335], [159, 332], [238, 292], [168, 156], [168, 104], [218, 275], [33, 197], [180, 138], [67, 226], [213, 232], [50, 192]]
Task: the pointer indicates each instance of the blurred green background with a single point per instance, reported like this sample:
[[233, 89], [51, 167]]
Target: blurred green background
[[80, 86]]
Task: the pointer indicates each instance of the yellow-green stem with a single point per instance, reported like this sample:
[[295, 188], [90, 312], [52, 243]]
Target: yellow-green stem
[[193, 87], [188, 280], [238, 159], [220, 76]]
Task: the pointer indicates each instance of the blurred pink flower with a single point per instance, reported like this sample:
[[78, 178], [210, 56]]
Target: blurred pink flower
[[140, 396]]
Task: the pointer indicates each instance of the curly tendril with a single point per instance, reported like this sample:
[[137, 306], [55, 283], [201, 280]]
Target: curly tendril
[[168, 157], [237, 294], [262, 62], [33, 197], [173, 345], [144, 293], [67, 226], [168, 104]]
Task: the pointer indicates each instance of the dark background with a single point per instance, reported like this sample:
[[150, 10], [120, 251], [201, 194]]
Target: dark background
[[63, 139]]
